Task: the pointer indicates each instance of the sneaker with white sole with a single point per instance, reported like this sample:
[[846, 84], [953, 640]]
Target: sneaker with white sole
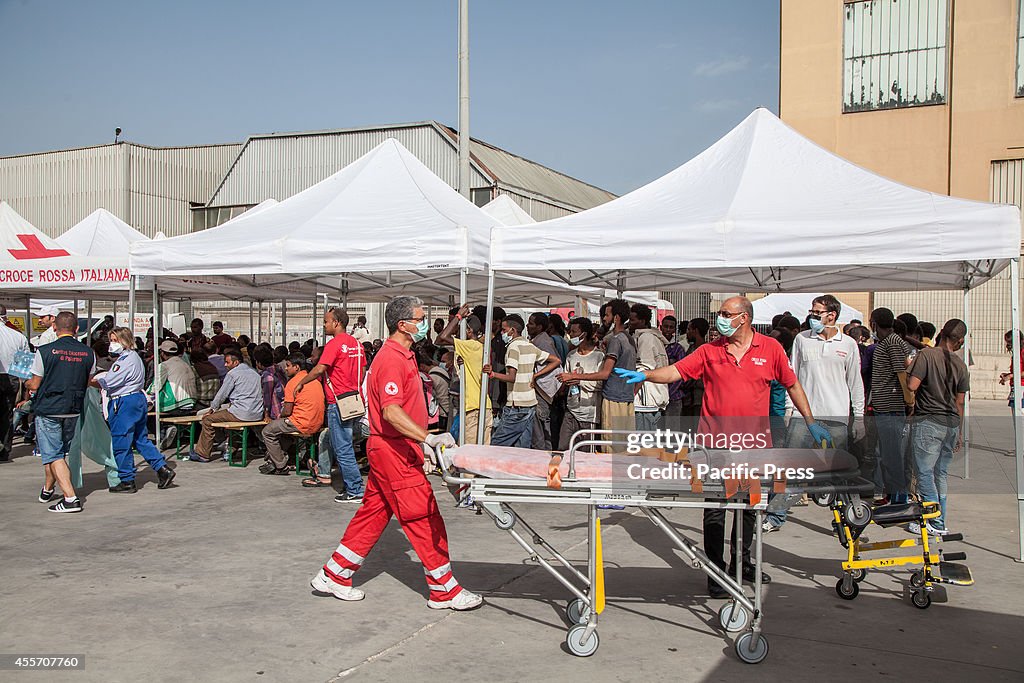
[[66, 505], [45, 496], [915, 529], [324, 587], [767, 527], [465, 600]]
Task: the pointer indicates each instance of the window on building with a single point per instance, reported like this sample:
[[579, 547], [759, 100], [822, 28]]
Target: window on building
[[894, 54], [204, 218], [1020, 49]]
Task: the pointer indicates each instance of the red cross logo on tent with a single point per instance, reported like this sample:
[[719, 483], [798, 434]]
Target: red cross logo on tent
[[34, 249]]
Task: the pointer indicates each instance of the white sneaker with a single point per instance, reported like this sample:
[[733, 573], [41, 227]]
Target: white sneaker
[[323, 586], [915, 529], [767, 527], [465, 600]]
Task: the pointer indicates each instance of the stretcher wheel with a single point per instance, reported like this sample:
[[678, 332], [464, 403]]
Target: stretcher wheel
[[859, 574], [847, 588], [921, 599], [824, 499], [917, 579], [755, 656], [732, 617], [577, 612], [505, 520], [858, 513], [581, 649]]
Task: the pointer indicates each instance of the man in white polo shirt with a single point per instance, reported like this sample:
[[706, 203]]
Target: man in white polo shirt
[[827, 364]]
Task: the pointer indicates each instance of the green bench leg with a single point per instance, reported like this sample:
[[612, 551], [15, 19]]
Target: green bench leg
[[300, 444], [245, 446]]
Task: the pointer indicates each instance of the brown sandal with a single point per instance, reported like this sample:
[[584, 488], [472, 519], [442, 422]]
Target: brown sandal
[[314, 482]]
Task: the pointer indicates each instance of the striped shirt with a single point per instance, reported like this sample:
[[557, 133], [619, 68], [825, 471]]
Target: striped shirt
[[523, 356], [888, 360]]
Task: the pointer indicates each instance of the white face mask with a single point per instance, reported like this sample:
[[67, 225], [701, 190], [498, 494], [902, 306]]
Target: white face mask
[[116, 348], [576, 341]]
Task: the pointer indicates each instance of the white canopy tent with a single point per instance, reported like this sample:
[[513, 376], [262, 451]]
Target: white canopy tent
[[797, 304], [765, 209], [505, 209]]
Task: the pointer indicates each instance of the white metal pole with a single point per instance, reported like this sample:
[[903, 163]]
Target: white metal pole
[[88, 319], [966, 434], [284, 322], [131, 305], [313, 326], [259, 319], [251, 328], [464, 170], [462, 369], [482, 415], [157, 326], [1018, 433], [28, 317]]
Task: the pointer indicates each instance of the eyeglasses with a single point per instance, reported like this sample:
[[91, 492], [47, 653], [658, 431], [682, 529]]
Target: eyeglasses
[[416, 320], [817, 314], [729, 315]]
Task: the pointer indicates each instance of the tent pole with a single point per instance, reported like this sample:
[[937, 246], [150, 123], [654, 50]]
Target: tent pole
[[28, 317], [482, 414], [157, 327], [966, 428], [1018, 433], [464, 139], [131, 305], [259, 320], [251, 330], [284, 322], [313, 326], [75, 304], [462, 369], [88, 318]]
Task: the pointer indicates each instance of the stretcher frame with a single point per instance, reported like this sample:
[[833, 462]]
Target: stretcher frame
[[741, 613]]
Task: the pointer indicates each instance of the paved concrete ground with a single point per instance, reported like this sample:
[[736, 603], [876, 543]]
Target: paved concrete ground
[[208, 581]]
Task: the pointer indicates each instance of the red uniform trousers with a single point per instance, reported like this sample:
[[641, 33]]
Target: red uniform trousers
[[397, 486]]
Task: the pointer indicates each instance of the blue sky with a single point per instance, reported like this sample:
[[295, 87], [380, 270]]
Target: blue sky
[[614, 93]]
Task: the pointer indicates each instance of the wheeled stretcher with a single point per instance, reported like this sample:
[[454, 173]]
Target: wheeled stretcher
[[505, 477], [937, 567]]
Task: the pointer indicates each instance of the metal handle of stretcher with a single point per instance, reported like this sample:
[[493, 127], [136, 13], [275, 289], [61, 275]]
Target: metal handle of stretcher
[[588, 440]]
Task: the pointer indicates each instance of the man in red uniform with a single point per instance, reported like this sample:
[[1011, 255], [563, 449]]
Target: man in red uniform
[[737, 370], [396, 484]]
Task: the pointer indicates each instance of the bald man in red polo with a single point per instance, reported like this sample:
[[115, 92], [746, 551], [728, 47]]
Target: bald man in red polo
[[737, 370]]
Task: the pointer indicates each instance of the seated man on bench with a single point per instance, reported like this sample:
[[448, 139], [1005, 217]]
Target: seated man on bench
[[176, 395], [301, 415], [241, 392]]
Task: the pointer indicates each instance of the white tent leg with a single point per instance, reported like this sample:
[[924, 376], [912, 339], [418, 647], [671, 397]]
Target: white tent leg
[[251, 328], [28, 318], [966, 429], [259, 318], [462, 368], [131, 306], [482, 416], [88, 320], [157, 327], [1018, 433], [313, 327], [284, 322]]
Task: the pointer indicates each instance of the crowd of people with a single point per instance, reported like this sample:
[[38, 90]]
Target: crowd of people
[[890, 391]]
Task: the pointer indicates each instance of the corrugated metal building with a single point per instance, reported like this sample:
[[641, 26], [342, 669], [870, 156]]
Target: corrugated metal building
[[278, 165], [150, 188]]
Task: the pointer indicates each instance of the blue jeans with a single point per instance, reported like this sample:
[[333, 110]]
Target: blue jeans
[[933, 443], [54, 435], [890, 454], [515, 428], [127, 420], [341, 443], [798, 436]]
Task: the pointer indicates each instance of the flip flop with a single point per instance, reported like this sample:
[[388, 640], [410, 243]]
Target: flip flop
[[313, 483]]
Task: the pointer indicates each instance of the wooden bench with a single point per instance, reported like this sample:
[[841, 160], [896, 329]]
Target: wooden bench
[[191, 421], [243, 427]]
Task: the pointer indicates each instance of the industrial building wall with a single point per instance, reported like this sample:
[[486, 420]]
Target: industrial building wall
[[276, 167], [148, 188], [539, 208]]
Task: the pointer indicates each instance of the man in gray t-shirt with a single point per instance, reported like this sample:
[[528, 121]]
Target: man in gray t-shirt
[[941, 381]]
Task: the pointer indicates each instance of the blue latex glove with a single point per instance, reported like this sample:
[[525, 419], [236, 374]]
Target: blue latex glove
[[819, 434], [631, 376]]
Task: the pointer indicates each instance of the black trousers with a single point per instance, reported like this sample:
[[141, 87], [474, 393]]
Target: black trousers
[[714, 537], [8, 397]]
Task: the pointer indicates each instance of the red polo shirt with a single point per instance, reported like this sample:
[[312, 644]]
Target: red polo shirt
[[736, 395], [394, 378], [345, 361]]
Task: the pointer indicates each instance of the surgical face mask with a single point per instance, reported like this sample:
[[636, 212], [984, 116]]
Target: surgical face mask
[[724, 326], [422, 327], [506, 337], [116, 348], [576, 341], [817, 327]]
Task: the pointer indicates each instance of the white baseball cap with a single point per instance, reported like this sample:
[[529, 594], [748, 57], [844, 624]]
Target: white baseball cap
[[48, 310]]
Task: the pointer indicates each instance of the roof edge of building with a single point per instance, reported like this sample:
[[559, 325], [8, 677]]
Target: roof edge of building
[[119, 144]]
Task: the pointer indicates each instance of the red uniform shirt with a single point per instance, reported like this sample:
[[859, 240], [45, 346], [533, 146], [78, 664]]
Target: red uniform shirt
[[345, 361], [394, 378], [736, 395]]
